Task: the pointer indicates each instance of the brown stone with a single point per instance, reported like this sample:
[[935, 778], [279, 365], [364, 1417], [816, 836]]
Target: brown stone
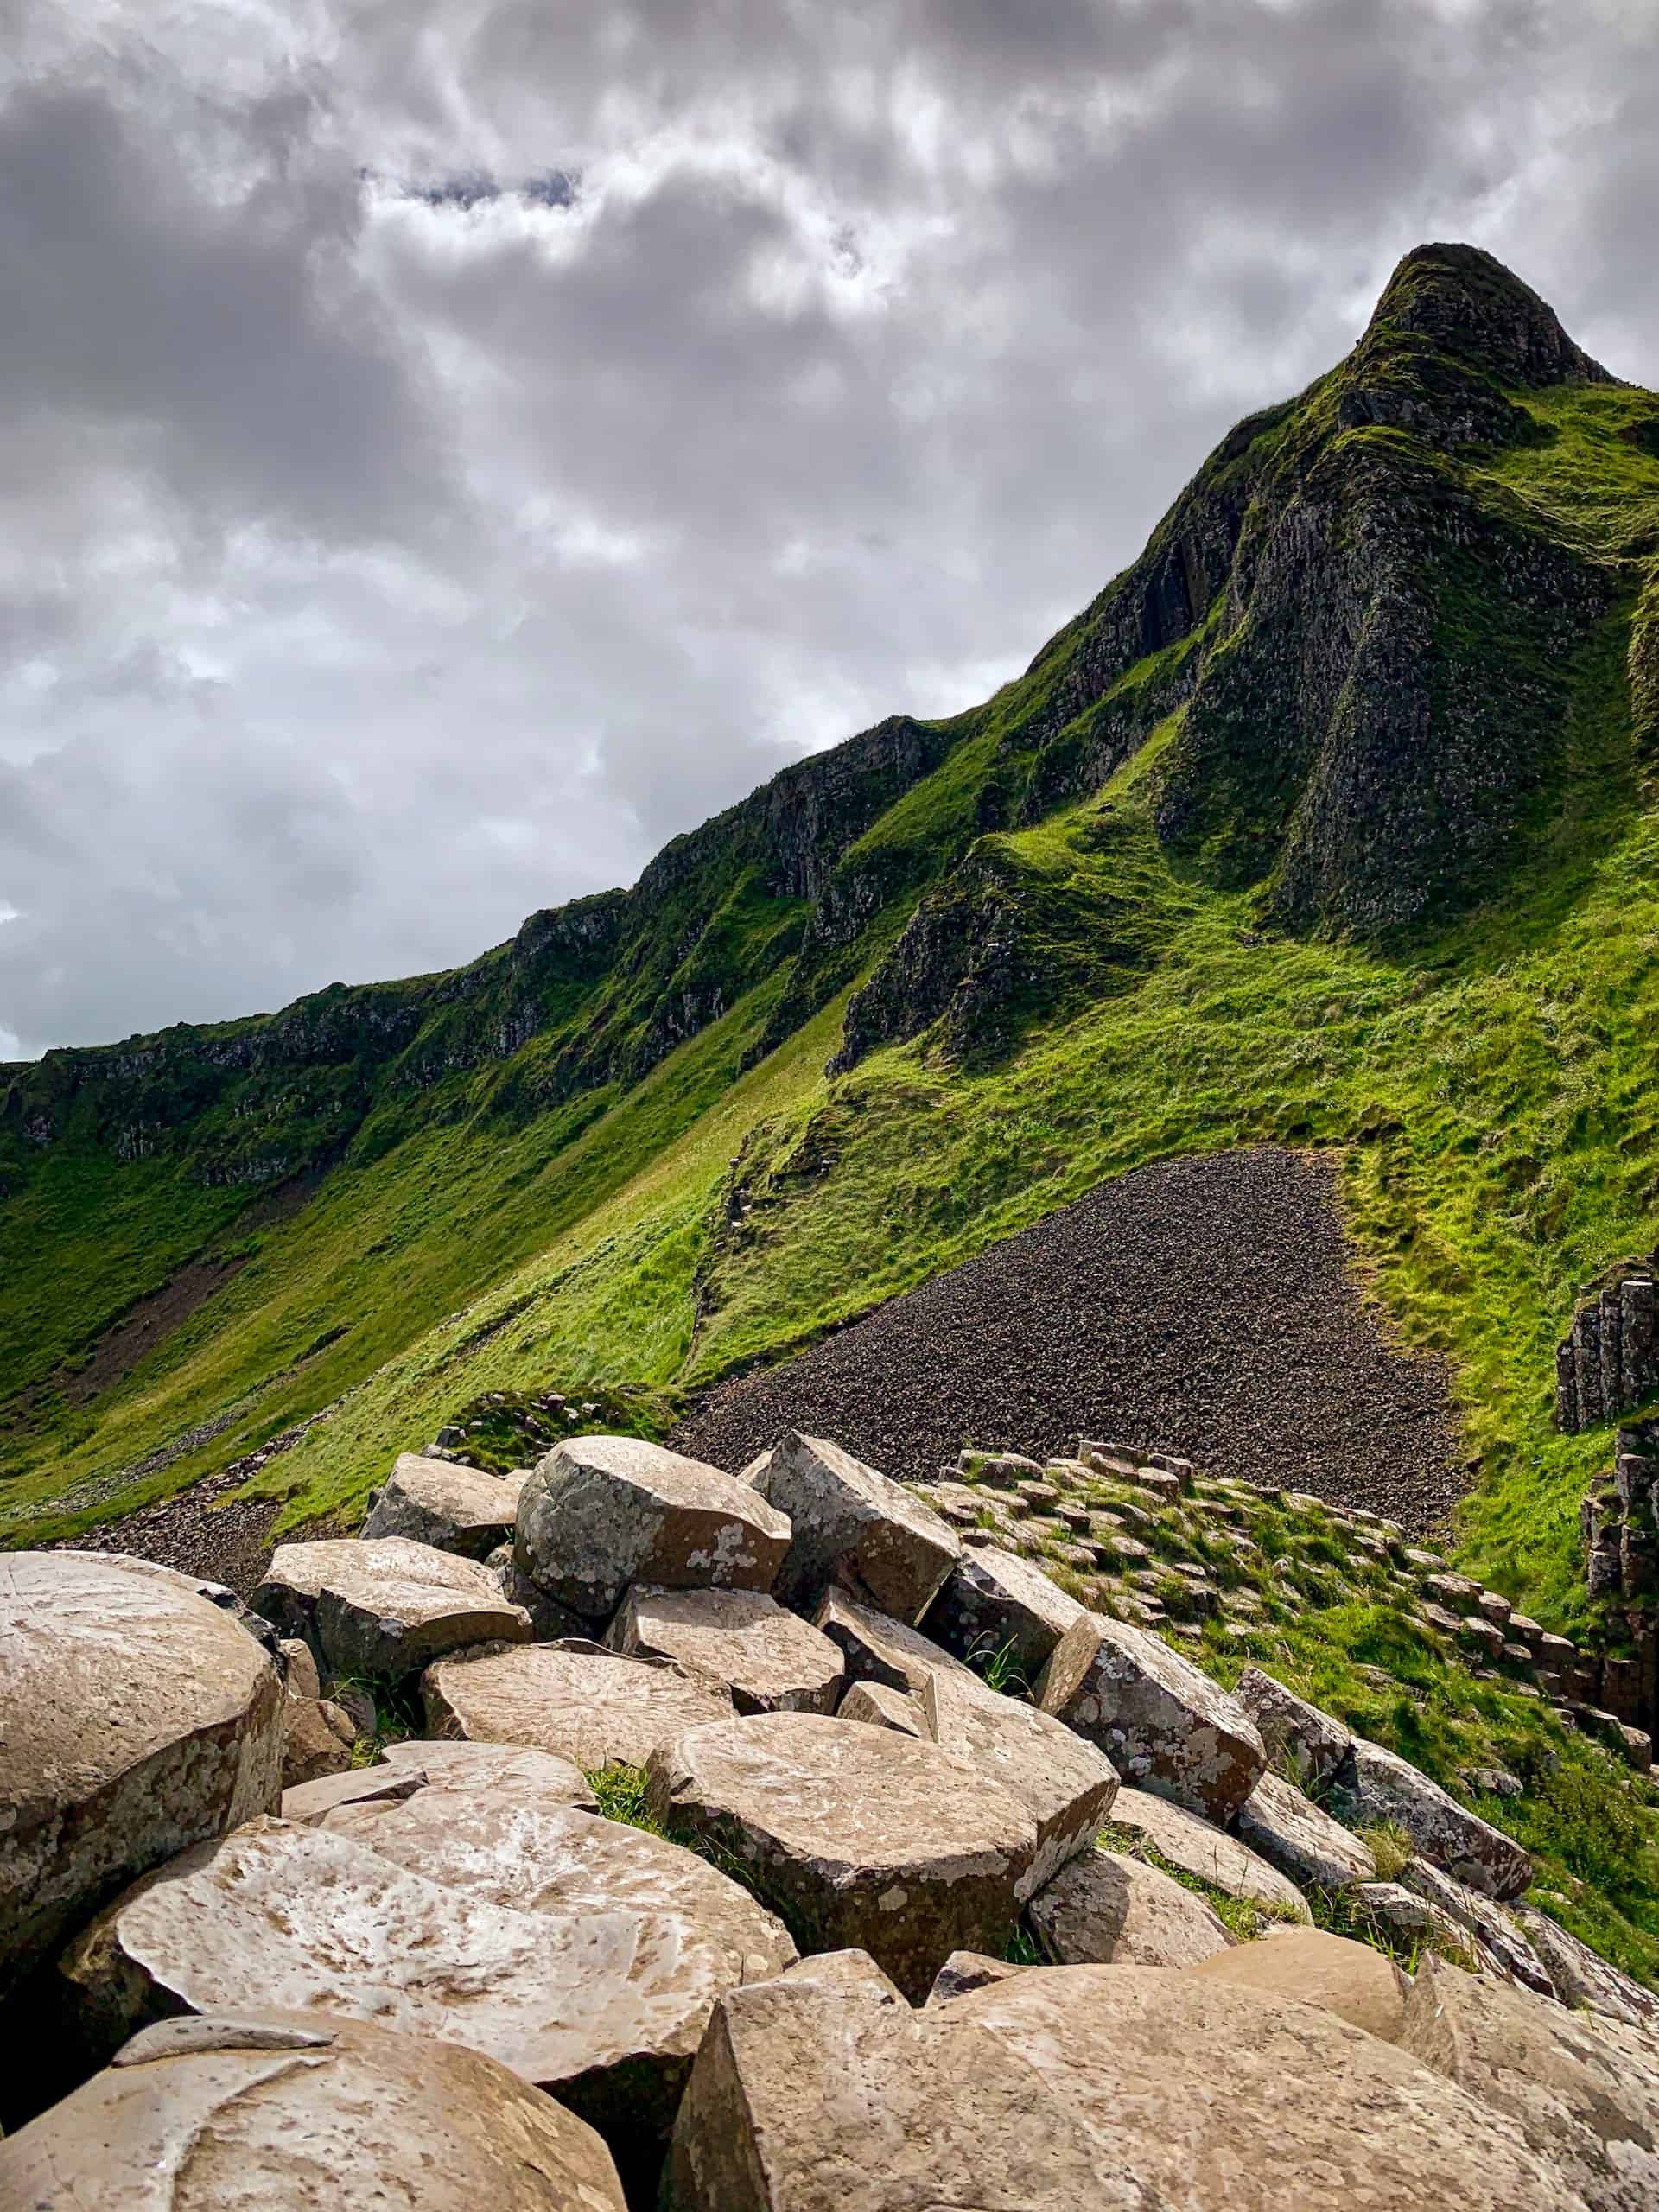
[[1108, 1907], [386, 1608], [1291, 1833], [602, 1512], [1197, 1847], [883, 1707], [1164, 1725], [993, 1602], [851, 1526], [583, 1953], [573, 1699], [865, 1838], [317, 1739], [453, 1508], [1079, 2090], [1582, 2091], [1377, 1786], [737, 1640], [137, 1718], [284, 2111], [1356, 1981]]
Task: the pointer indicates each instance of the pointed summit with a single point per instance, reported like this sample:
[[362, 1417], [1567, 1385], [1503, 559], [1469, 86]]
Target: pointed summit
[[1465, 302]]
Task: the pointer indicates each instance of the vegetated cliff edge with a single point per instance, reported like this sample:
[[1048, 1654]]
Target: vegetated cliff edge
[[1339, 688]]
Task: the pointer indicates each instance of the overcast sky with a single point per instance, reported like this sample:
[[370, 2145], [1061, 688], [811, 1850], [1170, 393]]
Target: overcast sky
[[447, 447]]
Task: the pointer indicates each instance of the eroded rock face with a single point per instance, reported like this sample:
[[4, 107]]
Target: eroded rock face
[[1583, 2091], [1215, 1857], [317, 1739], [1290, 1832], [1356, 1981], [575, 1700], [385, 1607], [601, 1512], [453, 1509], [883, 1707], [1313, 1742], [1065, 1783], [1375, 1785], [1117, 2088], [1580, 1976], [138, 1718], [1163, 1725], [994, 1601], [1498, 1943], [582, 1954], [866, 1839], [281, 2110], [737, 1640], [850, 1526], [1107, 1909], [256, 1626]]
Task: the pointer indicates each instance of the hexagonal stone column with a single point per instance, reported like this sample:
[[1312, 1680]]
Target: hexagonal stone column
[[864, 1838], [138, 1718]]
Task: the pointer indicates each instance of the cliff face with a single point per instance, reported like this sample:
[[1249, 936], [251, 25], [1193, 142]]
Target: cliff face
[[1358, 641]]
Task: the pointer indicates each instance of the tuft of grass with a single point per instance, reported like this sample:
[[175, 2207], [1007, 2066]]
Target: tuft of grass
[[996, 1663], [1390, 1845], [619, 1792]]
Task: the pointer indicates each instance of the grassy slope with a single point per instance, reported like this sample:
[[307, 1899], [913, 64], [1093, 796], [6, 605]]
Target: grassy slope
[[1491, 1086]]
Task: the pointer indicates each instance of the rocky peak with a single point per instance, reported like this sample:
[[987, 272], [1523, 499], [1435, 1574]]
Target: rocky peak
[[1463, 300]]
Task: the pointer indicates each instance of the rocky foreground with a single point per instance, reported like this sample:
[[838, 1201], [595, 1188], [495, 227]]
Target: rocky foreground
[[926, 1881]]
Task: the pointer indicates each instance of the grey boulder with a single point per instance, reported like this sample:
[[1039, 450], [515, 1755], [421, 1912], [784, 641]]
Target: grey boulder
[[284, 2111], [576, 1699], [1164, 1725], [1198, 1848], [1108, 1907], [138, 1718], [1079, 2090], [864, 1838], [737, 1640], [1291, 1833], [1304, 1736], [386, 1607], [452, 1508], [1375, 1785], [602, 1512], [993, 1602], [851, 1526]]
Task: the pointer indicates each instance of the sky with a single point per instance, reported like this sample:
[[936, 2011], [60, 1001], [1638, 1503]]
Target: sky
[[447, 447]]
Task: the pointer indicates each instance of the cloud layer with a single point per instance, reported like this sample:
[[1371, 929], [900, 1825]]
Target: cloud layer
[[450, 447]]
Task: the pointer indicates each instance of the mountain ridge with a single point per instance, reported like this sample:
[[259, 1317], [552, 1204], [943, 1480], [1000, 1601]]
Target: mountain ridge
[[1367, 717]]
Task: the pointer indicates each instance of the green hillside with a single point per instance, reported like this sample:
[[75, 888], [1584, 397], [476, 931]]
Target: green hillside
[[1327, 823]]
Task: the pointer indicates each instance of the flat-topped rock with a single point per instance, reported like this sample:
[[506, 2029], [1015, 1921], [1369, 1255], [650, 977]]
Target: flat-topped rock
[[737, 1640], [1107, 1908], [512, 1844], [138, 1718], [1065, 1783], [1079, 2090], [884, 1708], [1356, 1981], [602, 1512], [387, 1607], [580, 1953], [1291, 1833], [1197, 1847], [867, 1839], [1376, 1785], [849, 1525], [1294, 1731], [215, 1593], [993, 1602], [281, 2111], [308, 1802], [453, 1509], [1164, 1725], [573, 1699], [1584, 2091]]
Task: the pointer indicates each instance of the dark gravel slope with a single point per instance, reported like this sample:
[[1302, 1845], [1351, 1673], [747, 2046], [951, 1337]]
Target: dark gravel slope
[[1204, 1306]]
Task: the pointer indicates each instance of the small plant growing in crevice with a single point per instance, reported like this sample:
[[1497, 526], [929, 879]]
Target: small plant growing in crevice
[[998, 1664]]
